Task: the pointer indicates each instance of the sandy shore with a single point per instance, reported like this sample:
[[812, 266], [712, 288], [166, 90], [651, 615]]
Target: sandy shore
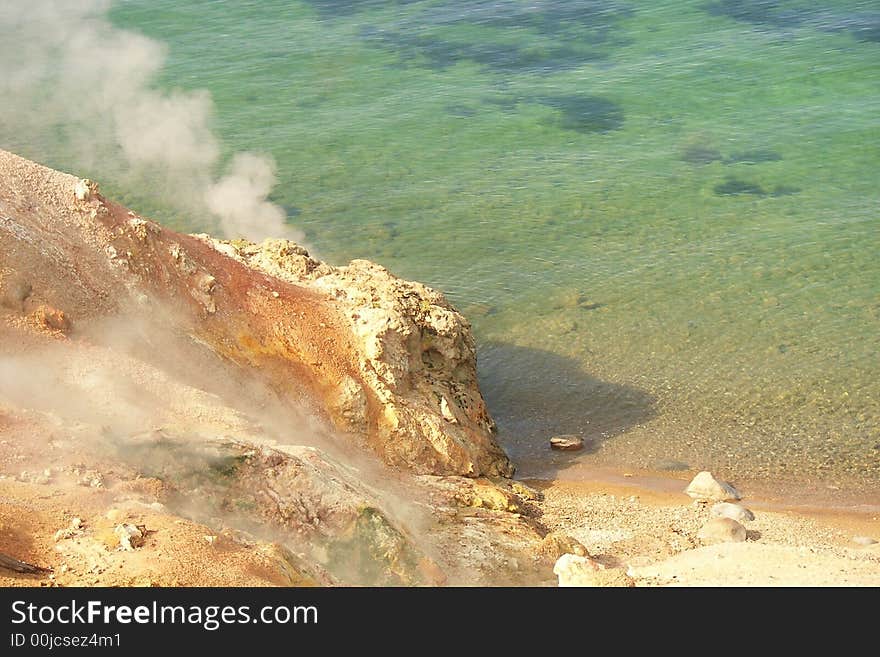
[[650, 531]]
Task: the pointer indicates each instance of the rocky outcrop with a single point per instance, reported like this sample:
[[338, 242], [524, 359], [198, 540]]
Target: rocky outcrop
[[414, 392], [323, 423], [389, 362]]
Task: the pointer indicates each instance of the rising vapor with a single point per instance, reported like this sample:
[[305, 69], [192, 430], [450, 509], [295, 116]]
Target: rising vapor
[[73, 82]]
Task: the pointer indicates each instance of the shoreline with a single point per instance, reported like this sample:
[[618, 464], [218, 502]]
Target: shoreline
[[780, 494], [658, 490], [652, 535]]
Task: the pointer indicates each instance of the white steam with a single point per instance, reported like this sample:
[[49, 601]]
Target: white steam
[[239, 198], [73, 83]]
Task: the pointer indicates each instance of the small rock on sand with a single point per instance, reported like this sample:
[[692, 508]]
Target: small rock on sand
[[864, 540], [74, 529], [555, 544], [83, 189], [721, 530], [567, 442], [130, 536], [573, 570], [53, 318], [733, 511], [706, 488]]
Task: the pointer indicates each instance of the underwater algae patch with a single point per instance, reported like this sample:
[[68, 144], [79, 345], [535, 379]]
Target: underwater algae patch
[[700, 154], [736, 186], [860, 19], [563, 35], [753, 157], [585, 113], [440, 53], [343, 8]]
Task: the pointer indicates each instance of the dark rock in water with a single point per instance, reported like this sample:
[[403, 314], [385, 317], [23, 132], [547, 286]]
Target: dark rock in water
[[700, 154], [567, 443], [578, 300], [736, 187], [754, 157], [671, 465]]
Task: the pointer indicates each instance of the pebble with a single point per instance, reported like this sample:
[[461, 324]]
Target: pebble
[[721, 530], [733, 511], [567, 442], [707, 488]]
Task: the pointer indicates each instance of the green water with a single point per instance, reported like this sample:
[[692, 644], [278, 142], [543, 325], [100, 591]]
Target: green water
[[661, 217]]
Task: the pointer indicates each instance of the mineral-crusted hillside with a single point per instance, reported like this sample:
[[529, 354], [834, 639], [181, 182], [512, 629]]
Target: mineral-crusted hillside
[[167, 398], [389, 361]]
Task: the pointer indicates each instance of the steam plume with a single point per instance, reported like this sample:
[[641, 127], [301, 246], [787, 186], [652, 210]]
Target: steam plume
[[72, 82]]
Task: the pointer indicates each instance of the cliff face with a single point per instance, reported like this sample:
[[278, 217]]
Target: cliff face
[[388, 361]]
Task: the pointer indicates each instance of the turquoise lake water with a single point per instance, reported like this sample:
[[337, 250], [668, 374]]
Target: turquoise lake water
[[660, 217]]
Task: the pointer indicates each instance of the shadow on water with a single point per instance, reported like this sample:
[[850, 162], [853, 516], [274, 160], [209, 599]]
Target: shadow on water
[[535, 394]]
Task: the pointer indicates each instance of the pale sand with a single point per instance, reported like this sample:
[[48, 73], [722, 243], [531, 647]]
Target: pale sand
[[651, 532]]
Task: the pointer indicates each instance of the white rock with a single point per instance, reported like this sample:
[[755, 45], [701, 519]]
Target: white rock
[[864, 540], [721, 530], [705, 487], [446, 411], [574, 570], [83, 191], [733, 511], [130, 537]]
